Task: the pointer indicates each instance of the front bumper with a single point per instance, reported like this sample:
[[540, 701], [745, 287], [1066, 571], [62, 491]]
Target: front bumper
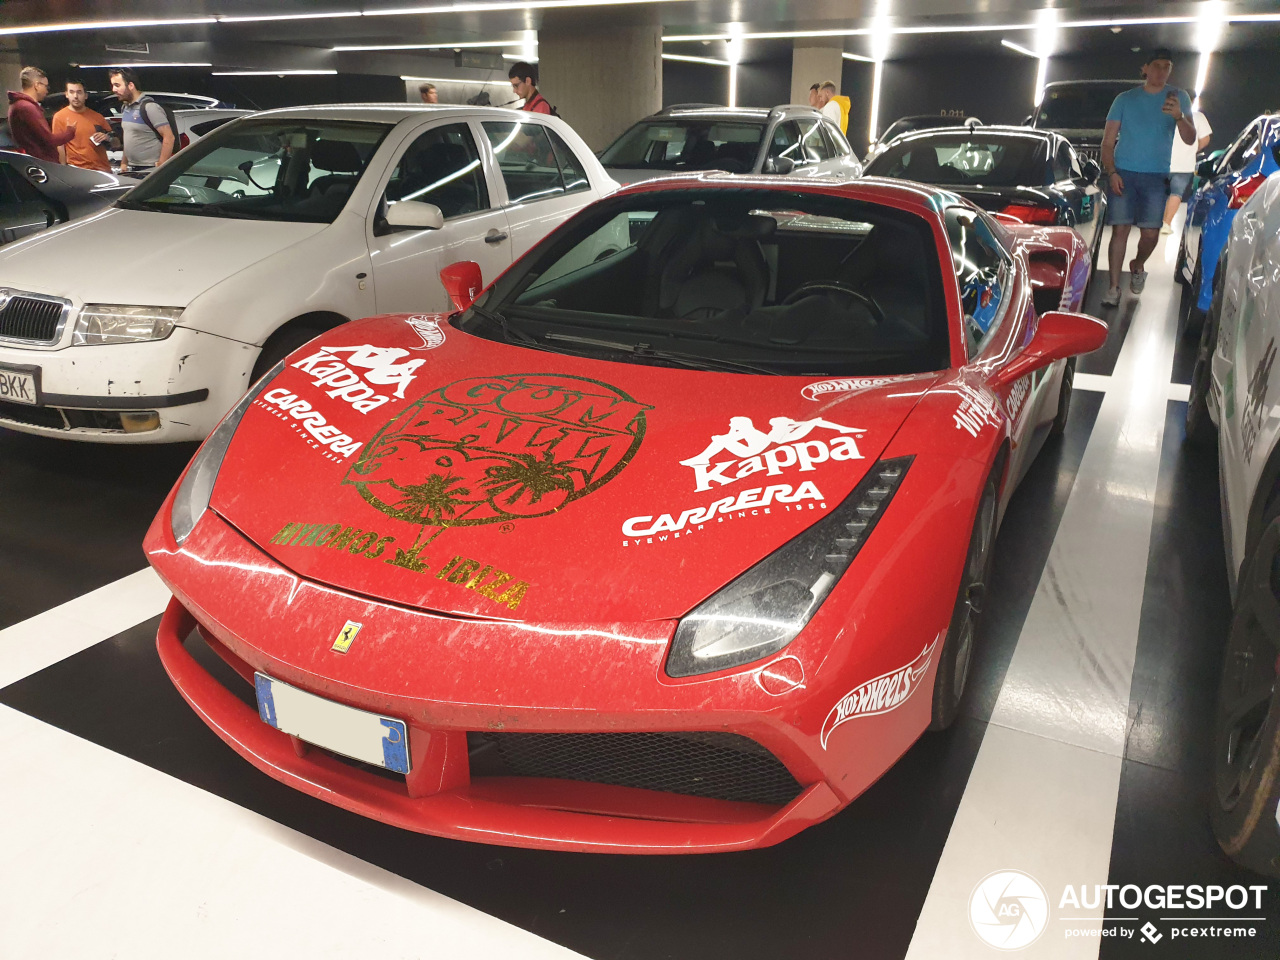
[[187, 381], [452, 680]]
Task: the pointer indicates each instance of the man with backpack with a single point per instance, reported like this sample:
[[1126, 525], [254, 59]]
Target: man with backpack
[[148, 128], [523, 84]]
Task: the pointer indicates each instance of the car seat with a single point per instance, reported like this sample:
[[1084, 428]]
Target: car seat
[[342, 164], [716, 266], [922, 166]]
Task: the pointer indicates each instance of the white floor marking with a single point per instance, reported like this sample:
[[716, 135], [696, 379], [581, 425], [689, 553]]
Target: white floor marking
[[106, 857], [1042, 794], [1101, 383], [78, 624]]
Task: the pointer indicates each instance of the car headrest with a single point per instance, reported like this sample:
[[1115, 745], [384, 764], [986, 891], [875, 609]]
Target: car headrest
[[745, 226], [335, 156]]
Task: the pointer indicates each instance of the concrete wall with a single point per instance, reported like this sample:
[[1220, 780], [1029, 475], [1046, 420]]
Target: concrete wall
[[601, 79], [815, 61]]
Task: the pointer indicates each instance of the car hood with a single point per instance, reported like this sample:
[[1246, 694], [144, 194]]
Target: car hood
[[134, 256], [629, 175], [403, 459], [997, 198]]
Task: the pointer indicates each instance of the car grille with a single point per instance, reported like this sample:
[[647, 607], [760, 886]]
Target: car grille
[[1090, 152], [722, 766], [30, 318]]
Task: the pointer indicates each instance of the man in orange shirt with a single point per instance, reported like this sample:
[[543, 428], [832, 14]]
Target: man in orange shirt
[[88, 148]]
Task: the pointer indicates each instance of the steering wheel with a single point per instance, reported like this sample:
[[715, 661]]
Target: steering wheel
[[830, 286]]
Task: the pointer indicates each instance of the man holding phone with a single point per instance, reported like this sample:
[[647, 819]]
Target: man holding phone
[[1136, 147], [88, 148]]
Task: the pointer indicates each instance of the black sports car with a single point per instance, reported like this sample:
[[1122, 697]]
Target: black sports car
[[1034, 176], [36, 195]]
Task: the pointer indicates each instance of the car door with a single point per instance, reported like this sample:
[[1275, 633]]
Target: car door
[[814, 149], [843, 162], [1212, 199], [543, 180], [23, 211], [441, 164], [1077, 191]]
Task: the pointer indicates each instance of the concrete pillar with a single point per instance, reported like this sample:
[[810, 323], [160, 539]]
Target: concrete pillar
[[10, 67], [601, 78], [815, 60]]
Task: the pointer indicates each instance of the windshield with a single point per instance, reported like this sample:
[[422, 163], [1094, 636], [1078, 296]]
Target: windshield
[[688, 143], [295, 170], [750, 281], [908, 124], [1079, 108], [964, 160]]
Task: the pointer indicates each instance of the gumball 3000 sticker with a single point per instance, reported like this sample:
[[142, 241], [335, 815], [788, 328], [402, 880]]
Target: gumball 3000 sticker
[[494, 449]]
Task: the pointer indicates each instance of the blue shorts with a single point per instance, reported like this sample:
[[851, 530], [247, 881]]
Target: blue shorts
[[1180, 185], [1142, 203]]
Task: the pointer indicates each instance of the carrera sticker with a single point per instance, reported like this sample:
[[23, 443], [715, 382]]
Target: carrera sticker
[[1017, 398], [485, 579], [879, 695], [824, 387], [975, 411], [783, 446], [753, 502], [308, 424], [346, 636], [428, 328], [497, 449], [380, 366]]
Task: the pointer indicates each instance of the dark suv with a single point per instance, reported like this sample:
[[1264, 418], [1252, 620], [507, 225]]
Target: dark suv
[[1077, 109]]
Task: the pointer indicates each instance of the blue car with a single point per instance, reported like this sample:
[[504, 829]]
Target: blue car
[[1226, 184]]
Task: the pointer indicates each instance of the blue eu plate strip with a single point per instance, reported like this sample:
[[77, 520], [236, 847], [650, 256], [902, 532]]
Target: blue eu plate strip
[[266, 702], [395, 746]]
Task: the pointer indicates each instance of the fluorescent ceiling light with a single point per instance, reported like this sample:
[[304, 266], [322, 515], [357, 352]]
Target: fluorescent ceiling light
[[1021, 49], [483, 83], [711, 60], [859, 57], [290, 16], [516, 56], [463, 44], [486, 5], [273, 73], [100, 25], [136, 64]]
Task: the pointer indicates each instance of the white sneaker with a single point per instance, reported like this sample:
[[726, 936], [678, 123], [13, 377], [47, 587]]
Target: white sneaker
[[1111, 298], [1137, 280], [1166, 230]]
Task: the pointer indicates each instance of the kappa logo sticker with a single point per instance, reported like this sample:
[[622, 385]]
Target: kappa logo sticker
[[346, 636], [784, 445], [381, 366], [428, 328], [879, 695]]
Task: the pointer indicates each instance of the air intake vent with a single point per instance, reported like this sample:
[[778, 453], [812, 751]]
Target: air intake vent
[[723, 766], [30, 318]]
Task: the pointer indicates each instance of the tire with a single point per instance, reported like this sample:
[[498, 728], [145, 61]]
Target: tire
[[957, 649], [280, 344], [1064, 399], [1181, 262], [1246, 740], [1199, 425]]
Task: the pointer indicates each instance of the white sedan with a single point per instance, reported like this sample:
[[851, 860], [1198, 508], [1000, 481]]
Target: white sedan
[[1237, 386], [146, 322]]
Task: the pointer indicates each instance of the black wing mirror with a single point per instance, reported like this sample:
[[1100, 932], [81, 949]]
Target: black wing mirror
[[778, 165], [1090, 169]]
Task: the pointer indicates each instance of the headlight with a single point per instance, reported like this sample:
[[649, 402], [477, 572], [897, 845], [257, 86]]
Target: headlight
[[761, 611], [192, 498], [113, 323]]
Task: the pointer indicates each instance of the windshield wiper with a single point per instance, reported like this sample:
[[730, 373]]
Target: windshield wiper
[[511, 335], [644, 350]]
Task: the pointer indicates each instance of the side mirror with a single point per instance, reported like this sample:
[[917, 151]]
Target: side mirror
[[1090, 169], [1028, 119], [1059, 335], [1275, 152], [778, 165], [462, 281], [414, 214], [1205, 168]]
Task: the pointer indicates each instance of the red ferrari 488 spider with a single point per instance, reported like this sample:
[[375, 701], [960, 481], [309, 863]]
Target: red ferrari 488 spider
[[673, 539]]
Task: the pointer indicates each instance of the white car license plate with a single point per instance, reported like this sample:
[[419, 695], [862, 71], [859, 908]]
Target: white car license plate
[[18, 385], [354, 733]]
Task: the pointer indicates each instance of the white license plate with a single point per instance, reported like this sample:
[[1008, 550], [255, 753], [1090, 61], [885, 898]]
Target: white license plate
[[19, 386], [382, 741]]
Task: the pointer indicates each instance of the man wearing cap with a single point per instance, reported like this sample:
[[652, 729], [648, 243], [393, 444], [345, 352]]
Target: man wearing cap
[[1144, 121]]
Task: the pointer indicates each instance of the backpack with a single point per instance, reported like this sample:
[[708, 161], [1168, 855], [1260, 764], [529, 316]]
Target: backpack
[[168, 115], [554, 111]]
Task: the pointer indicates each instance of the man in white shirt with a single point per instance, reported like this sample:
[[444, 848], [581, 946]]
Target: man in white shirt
[[830, 109], [1182, 168]]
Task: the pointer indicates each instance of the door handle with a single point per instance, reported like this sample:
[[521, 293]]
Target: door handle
[[495, 237]]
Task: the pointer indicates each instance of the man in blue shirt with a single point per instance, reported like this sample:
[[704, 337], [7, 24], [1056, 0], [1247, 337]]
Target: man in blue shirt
[[1144, 120]]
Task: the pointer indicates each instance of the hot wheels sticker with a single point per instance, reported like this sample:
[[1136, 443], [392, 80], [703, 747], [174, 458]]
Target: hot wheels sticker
[[783, 446], [879, 695], [823, 388], [429, 329]]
